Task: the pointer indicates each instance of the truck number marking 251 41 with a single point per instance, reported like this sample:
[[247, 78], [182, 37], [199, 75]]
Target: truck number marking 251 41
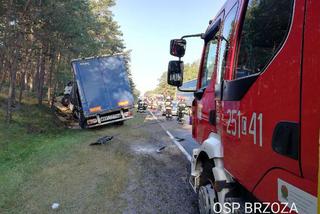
[[237, 125]]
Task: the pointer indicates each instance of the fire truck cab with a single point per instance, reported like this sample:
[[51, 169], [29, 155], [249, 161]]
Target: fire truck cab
[[256, 111]]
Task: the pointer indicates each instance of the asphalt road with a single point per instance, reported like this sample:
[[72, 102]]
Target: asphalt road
[[180, 133]]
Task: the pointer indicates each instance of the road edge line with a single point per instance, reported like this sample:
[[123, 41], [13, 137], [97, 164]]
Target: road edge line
[[180, 147]]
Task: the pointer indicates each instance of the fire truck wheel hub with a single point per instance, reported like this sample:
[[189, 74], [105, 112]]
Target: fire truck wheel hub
[[207, 198]]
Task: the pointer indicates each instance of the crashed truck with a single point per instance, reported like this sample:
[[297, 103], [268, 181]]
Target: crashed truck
[[101, 93]]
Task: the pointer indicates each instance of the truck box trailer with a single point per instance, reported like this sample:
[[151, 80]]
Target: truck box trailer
[[101, 93], [256, 111]]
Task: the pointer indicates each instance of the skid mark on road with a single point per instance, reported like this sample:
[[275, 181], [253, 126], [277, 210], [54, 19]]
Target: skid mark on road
[[188, 156]]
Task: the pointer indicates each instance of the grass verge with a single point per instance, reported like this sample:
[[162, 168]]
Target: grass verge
[[42, 162]]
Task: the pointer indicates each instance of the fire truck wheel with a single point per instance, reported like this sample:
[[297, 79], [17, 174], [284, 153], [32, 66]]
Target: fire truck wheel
[[207, 198], [239, 201], [207, 195]]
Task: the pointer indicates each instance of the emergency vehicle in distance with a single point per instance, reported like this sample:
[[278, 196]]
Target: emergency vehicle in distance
[[256, 111]]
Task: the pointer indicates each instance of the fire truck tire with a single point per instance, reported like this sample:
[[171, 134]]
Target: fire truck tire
[[239, 201], [207, 195], [206, 199]]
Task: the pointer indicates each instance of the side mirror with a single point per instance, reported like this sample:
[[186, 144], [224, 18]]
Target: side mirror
[[178, 47], [175, 73]]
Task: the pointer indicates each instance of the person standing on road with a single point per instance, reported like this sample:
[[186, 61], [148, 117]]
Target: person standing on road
[[181, 110], [168, 107]]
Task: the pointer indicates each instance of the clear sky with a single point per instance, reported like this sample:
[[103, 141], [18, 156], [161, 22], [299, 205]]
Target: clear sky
[[149, 25]]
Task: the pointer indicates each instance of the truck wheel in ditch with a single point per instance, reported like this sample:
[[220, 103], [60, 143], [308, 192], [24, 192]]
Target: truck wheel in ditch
[[82, 121], [65, 101], [75, 114]]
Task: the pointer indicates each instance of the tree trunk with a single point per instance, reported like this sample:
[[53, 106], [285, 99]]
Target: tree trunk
[[23, 78], [41, 77], [12, 87], [2, 72], [51, 70], [4, 59], [22, 85], [56, 73], [35, 78], [3, 79]]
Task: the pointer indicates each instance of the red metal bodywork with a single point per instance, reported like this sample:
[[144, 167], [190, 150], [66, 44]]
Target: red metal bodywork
[[287, 90]]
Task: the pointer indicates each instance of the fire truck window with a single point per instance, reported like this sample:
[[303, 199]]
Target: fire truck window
[[264, 30], [209, 62], [228, 29]]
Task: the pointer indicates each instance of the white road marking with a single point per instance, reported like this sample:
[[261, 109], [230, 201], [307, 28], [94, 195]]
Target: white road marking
[[188, 156]]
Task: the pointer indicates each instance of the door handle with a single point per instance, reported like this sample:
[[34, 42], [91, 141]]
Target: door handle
[[212, 117]]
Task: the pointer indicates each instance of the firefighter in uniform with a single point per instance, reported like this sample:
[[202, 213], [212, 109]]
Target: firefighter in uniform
[[181, 110], [168, 107]]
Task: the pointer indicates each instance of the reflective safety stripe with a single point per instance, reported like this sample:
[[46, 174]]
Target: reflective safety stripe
[[95, 109], [123, 103]]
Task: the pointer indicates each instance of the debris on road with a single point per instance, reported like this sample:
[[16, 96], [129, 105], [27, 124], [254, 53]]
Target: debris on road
[[55, 206], [160, 149], [102, 140], [179, 139]]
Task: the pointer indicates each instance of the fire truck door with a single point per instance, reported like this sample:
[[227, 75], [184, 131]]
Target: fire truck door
[[261, 105]]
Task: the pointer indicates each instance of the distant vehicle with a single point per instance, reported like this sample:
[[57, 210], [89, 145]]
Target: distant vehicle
[[187, 96], [163, 109], [154, 105], [102, 93], [159, 102], [174, 108], [142, 106]]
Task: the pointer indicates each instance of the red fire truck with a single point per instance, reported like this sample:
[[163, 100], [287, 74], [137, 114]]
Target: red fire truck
[[256, 111]]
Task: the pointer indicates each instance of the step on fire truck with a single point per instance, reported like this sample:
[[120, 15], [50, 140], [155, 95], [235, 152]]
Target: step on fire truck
[[256, 111]]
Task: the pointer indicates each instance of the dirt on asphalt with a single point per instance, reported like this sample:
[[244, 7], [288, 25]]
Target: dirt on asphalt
[[161, 185], [126, 175]]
